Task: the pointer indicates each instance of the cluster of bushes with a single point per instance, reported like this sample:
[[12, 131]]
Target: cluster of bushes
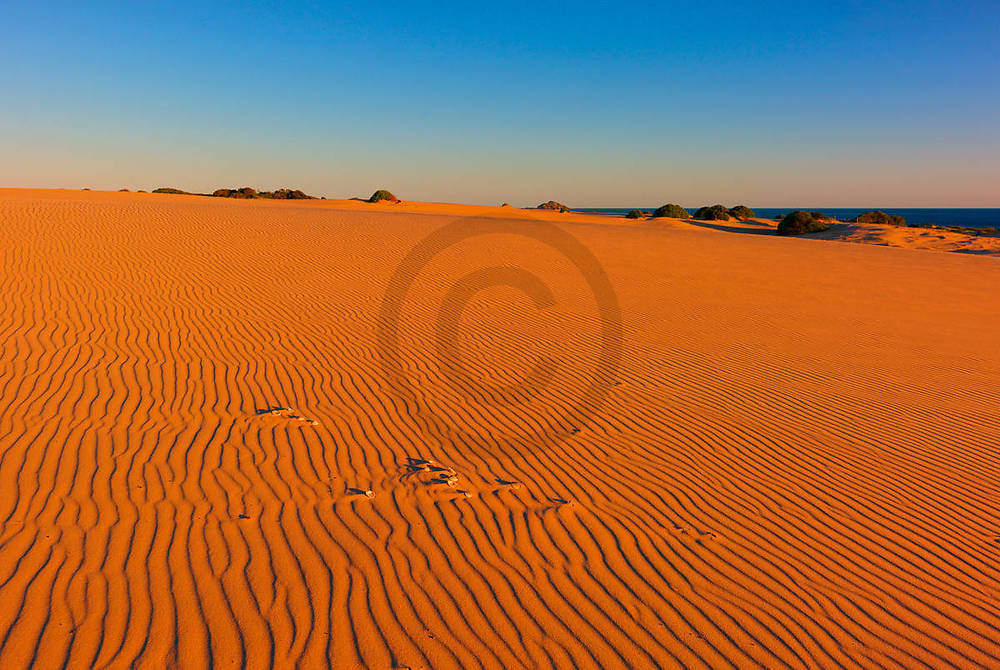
[[246, 192], [801, 222], [723, 213], [636, 214], [712, 213], [555, 206], [879, 217]]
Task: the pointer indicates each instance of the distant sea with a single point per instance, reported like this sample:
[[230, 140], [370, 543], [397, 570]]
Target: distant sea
[[968, 218]]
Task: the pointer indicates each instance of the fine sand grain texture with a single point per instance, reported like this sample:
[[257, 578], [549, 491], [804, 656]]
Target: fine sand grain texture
[[203, 462]]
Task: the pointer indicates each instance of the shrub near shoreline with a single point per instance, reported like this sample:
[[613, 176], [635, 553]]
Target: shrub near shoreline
[[801, 222], [713, 213], [879, 217], [742, 212], [671, 211], [554, 206]]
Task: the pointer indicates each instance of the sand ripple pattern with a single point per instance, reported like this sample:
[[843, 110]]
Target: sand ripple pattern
[[797, 467]]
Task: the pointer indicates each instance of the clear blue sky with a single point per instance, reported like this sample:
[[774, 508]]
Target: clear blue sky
[[771, 103]]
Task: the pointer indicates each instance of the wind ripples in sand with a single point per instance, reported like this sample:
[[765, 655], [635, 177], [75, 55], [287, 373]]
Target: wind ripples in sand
[[761, 490]]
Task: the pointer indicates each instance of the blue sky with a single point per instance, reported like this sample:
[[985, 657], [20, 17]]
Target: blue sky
[[593, 104]]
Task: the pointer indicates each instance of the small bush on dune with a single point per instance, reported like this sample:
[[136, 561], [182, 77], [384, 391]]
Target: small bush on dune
[[820, 216], [287, 194], [382, 194], [671, 211], [555, 206], [879, 217], [245, 192], [164, 189], [742, 212], [635, 214], [800, 223], [713, 213]]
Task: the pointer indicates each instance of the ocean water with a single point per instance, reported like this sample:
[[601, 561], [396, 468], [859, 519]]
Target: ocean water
[[968, 218]]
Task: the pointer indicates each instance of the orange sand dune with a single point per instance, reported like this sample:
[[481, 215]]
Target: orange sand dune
[[795, 464]]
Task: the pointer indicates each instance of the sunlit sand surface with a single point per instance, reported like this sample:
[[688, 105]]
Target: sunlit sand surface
[[203, 462]]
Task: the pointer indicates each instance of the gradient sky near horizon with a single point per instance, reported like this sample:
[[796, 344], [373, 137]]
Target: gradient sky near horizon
[[771, 103]]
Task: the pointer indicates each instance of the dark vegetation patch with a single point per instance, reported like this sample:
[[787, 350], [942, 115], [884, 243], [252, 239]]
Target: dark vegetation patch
[[671, 211], [248, 193], [800, 222], [382, 194], [554, 206], [636, 214], [245, 193], [713, 213], [742, 212], [879, 217]]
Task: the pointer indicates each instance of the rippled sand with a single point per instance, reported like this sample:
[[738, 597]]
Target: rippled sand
[[223, 443]]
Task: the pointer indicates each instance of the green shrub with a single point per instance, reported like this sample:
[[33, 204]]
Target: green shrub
[[287, 194], [635, 214], [245, 193], [671, 211], [879, 217], [555, 206], [248, 193], [742, 212], [820, 216], [799, 223], [713, 213], [170, 190], [382, 194]]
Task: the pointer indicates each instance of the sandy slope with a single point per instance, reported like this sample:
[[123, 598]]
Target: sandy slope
[[797, 468], [925, 239]]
